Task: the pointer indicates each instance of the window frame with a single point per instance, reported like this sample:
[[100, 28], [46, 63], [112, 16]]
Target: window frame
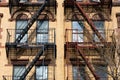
[[100, 29], [14, 77], [20, 30]]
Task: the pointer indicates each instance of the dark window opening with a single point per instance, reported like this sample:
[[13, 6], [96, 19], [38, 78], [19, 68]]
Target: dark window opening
[[118, 21]]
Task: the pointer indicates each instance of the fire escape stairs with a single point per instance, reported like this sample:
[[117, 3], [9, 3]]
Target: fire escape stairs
[[30, 23], [31, 64], [19, 38], [81, 53], [89, 22]]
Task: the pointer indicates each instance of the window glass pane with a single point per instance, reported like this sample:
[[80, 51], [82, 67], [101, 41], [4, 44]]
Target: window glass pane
[[101, 71], [41, 73], [18, 71], [20, 25], [42, 31], [77, 31], [100, 27], [79, 0], [95, 0], [40, 0], [23, 0], [79, 73]]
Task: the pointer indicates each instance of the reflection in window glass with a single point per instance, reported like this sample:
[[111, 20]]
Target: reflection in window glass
[[41, 73], [23, 0], [96, 0], [101, 71], [77, 31], [20, 25], [79, 73], [18, 71], [42, 31], [79, 0], [100, 27]]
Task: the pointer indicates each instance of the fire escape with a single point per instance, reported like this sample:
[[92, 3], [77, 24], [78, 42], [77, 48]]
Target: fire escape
[[77, 53], [42, 50]]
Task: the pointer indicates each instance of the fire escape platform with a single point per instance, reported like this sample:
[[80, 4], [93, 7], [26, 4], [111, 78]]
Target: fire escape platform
[[26, 45], [89, 45]]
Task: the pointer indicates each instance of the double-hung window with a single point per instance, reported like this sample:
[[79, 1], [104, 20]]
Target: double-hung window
[[77, 33], [20, 26], [42, 31], [100, 27], [18, 71], [41, 73]]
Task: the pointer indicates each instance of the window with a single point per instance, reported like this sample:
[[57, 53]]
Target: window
[[77, 31], [101, 71], [79, 73], [100, 27], [18, 71], [41, 73], [20, 25], [42, 31]]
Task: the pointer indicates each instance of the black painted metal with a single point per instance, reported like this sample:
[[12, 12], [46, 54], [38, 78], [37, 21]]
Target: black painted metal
[[32, 63], [30, 23]]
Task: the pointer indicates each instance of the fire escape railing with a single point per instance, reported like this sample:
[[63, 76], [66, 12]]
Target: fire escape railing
[[81, 53], [31, 64], [31, 37]]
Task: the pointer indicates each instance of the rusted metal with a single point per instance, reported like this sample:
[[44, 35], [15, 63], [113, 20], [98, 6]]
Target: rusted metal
[[81, 53]]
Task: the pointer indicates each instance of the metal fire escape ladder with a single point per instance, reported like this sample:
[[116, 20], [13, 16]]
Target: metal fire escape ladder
[[40, 53], [81, 53], [89, 22], [30, 22]]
